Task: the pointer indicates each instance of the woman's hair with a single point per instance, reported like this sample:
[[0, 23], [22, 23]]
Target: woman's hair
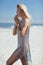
[[24, 9]]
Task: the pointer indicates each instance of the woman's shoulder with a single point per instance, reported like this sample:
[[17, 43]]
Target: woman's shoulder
[[27, 21]]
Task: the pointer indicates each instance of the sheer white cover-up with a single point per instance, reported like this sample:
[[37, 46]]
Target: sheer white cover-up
[[23, 44]]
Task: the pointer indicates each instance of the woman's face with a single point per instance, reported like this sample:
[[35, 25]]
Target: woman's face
[[19, 12]]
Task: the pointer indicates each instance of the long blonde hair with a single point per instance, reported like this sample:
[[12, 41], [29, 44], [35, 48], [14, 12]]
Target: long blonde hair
[[24, 8]]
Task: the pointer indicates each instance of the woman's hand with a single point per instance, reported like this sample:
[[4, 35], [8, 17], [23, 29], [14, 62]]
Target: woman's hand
[[23, 32], [20, 33], [16, 20]]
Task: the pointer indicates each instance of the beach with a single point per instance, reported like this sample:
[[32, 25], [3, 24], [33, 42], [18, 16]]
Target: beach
[[8, 44]]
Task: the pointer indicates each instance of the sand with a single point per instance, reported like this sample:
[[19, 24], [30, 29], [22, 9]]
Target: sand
[[8, 44]]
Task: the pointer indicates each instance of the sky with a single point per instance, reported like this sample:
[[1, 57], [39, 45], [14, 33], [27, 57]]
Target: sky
[[8, 10]]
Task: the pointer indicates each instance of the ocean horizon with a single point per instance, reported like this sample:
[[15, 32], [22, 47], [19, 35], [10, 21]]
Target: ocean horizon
[[11, 25]]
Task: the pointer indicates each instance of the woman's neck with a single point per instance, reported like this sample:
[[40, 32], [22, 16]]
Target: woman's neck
[[22, 17]]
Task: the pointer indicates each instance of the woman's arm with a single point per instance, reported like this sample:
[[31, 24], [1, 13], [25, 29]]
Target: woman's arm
[[14, 30], [16, 25], [17, 22], [25, 28]]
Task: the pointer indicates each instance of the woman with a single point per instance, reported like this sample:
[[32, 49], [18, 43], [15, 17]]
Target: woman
[[21, 28]]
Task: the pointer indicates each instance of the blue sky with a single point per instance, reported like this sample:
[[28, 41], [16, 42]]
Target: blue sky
[[8, 10]]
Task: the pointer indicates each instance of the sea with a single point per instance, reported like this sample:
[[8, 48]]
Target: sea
[[10, 25]]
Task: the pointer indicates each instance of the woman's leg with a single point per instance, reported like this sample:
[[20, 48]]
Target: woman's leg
[[24, 61], [14, 57]]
